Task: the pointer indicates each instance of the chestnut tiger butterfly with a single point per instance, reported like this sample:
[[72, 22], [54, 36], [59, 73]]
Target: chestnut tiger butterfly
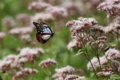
[[44, 32]]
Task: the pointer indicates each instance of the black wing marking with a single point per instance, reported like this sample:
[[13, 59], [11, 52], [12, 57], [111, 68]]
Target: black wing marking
[[38, 27]]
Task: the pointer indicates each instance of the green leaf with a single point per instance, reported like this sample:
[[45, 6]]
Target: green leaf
[[115, 77], [79, 52], [92, 75], [88, 43]]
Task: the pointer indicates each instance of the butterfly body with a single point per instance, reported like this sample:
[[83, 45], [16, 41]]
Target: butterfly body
[[44, 33]]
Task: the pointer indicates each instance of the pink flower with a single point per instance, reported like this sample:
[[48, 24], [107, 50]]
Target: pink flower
[[112, 54], [26, 38], [105, 73], [74, 43], [67, 69], [38, 6], [23, 18], [75, 77], [8, 21], [30, 54], [23, 73], [2, 35], [47, 63], [81, 24], [38, 17], [111, 7], [57, 12], [73, 7], [24, 30]]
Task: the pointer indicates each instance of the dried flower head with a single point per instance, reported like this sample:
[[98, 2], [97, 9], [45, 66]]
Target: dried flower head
[[47, 63]]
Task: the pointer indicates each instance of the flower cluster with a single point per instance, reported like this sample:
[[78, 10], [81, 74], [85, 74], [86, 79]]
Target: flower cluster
[[23, 73], [66, 73], [100, 42], [80, 31], [49, 12], [107, 68], [8, 21], [111, 7], [47, 63], [26, 55], [17, 31]]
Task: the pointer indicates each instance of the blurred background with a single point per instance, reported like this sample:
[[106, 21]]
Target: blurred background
[[17, 14]]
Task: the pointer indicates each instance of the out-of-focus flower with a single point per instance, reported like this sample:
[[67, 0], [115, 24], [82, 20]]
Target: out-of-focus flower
[[53, 2], [2, 35], [10, 62], [25, 38], [57, 12], [74, 77], [47, 63], [111, 7], [81, 24], [92, 4], [63, 72], [38, 17], [24, 19], [67, 69], [112, 54], [79, 29], [70, 77], [105, 73], [30, 54], [38, 6], [24, 30], [95, 62], [73, 7], [100, 42], [15, 31], [24, 73], [34, 43], [8, 21], [74, 43]]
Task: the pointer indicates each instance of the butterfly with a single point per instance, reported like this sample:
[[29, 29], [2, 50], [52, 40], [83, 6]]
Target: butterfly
[[44, 32]]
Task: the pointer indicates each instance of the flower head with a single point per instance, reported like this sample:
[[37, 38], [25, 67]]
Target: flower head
[[111, 7], [47, 63]]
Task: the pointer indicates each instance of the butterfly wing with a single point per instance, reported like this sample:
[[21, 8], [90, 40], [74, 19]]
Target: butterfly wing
[[44, 33]]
